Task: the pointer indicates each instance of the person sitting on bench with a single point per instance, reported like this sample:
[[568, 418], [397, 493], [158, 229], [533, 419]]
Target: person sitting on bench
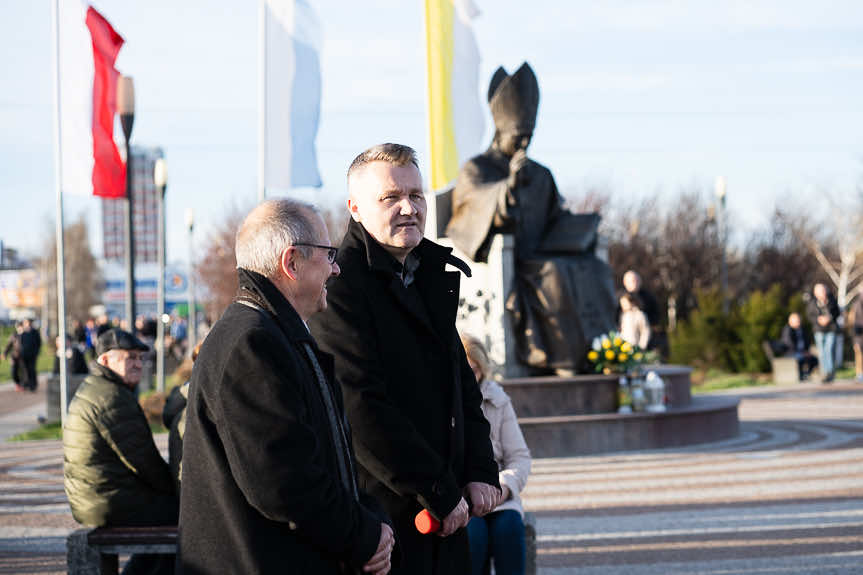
[[796, 341], [113, 472]]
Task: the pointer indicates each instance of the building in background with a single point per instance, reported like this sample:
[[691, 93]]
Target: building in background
[[20, 288], [146, 230], [9, 259], [145, 212]]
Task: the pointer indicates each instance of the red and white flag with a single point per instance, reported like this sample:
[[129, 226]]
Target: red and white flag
[[90, 160]]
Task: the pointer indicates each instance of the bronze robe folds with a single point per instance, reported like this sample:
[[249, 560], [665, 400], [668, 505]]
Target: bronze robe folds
[[563, 295]]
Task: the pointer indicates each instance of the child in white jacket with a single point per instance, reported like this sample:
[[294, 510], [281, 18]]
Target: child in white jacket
[[633, 323], [499, 535]]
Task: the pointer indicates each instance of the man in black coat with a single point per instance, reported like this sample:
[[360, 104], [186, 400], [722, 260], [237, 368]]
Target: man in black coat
[[268, 473], [31, 343], [796, 340], [420, 435]]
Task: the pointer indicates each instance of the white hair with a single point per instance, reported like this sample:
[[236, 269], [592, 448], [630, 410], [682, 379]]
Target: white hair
[[269, 230]]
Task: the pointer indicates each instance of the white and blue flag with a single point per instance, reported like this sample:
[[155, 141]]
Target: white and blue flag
[[291, 94]]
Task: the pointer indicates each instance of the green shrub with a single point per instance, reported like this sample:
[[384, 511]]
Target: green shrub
[[706, 339], [760, 317], [732, 342]]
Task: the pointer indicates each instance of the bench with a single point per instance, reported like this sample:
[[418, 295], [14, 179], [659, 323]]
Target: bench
[[97, 551], [785, 369]]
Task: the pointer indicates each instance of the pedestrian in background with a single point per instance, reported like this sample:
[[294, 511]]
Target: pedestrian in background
[[823, 313], [634, 327], [31, 344], [857, 326], [12, 351]]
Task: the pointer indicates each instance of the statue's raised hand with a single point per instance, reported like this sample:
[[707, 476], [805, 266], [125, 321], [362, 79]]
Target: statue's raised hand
[[517, 171]]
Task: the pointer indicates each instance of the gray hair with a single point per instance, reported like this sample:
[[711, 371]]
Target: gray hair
[[269, 230]]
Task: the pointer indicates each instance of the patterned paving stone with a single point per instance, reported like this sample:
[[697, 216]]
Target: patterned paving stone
[[784, 497]]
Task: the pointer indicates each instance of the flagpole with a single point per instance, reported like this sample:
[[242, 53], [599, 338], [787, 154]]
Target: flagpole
[[430, 200], [58, 186], [262, 99]]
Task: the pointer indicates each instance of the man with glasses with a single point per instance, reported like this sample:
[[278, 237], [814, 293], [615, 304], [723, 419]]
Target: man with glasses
[[112, 471], [268, 472], [411, 397]]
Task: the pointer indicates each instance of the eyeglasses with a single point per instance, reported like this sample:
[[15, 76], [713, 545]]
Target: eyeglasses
[[331, 250]]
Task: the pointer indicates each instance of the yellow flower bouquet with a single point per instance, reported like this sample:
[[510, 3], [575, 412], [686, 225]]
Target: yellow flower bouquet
[[610, 353]]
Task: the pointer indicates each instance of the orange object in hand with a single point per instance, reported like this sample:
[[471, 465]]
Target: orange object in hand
[[425, 523]]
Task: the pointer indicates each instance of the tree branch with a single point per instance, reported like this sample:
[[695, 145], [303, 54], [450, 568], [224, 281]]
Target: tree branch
[[825, 263], [858, 289], [855, 274]]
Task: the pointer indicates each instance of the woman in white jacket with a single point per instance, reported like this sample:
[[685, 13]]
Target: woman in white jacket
[[499, 536]]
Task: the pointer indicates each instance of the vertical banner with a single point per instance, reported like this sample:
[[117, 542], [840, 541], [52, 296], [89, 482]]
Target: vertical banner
[[88, 48], [455, 114], [292, 94]]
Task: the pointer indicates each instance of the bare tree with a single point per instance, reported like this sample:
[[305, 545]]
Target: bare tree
[[217, 268], [82, 274], [674, 246], [835, 238], [779, 256], [595, 198]]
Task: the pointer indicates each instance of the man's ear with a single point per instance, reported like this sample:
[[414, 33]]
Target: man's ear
[[288, 262], [102, 360], [354, 210]]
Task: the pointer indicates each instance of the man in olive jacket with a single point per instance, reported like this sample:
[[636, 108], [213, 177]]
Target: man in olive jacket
[[420, 435], [268, 474], [112, 470]]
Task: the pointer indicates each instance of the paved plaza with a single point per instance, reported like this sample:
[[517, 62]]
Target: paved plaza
[[785, 497]]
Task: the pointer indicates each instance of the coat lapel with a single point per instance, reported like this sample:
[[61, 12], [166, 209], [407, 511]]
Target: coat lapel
[[432, 290], [440, 291], [410, 300]]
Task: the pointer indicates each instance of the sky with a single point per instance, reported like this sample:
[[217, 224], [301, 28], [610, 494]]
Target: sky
[[637, 98]]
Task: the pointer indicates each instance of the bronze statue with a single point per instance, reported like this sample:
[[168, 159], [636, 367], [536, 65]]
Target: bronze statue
[[564, 295]]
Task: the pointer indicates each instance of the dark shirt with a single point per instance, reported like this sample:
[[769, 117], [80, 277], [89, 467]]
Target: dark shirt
[[816, 308], [796, 341], [31, 343]]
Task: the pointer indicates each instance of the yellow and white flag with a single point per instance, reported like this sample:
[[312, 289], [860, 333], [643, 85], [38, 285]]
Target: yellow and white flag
[[456, 124]]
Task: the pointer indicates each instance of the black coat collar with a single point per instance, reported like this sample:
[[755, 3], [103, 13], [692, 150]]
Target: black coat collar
[[257, 289], [437, 288], [432, 256]]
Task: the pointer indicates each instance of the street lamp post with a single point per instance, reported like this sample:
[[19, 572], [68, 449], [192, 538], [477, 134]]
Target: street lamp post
[[126, 107], [193, 323], [721, 189], [160, 178]]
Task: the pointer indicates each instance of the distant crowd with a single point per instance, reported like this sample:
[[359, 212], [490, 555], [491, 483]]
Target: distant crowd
[[24, 344], [815, 343], [826, 329]]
